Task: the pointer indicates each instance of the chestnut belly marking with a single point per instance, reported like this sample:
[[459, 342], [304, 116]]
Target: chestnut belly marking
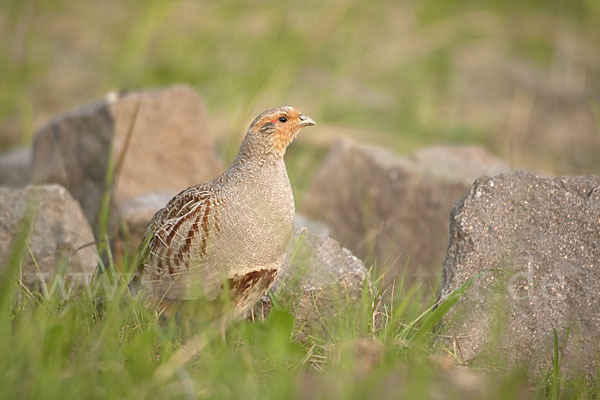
[[254, 283]]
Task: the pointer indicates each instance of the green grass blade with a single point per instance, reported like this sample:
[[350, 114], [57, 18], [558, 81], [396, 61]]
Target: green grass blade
[[436, 312]]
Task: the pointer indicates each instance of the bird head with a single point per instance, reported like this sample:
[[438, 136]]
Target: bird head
[[278, 127]]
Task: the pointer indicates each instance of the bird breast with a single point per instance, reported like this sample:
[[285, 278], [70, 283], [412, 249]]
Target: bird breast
[[255, 226], [257, 219]]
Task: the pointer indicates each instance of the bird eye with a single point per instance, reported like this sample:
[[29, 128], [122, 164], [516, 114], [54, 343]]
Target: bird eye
[[283, 119]]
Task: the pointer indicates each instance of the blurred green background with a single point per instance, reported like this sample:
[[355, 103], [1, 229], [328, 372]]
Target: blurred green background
[[522, 78]]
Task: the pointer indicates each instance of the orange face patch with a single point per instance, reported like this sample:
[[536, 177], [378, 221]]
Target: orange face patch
[[281, 126], [278, 127]]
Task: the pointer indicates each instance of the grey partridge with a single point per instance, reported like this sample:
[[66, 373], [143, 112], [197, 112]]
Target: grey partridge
[[228, 235]]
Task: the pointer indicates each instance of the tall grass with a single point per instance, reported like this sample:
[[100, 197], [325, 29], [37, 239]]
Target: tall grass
[[111, 345], [100, 341]]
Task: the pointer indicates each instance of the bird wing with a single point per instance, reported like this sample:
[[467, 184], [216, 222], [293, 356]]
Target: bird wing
[[174, 229]]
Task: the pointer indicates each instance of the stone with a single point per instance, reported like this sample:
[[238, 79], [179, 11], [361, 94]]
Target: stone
[[320, 282], [315, 227], [15, 167], [60, 236], [157, 140], [73, 151], [392, 211], [536, 242]]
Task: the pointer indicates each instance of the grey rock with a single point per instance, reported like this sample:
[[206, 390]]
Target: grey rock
[[60, 237], [15, 167], [392, 210], [73, 151], [536, 242], [320, 281], [316, 227], [158, 141]]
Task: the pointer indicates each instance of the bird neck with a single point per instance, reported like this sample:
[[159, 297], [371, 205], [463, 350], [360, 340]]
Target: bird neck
[[255, 157], [255, 148]]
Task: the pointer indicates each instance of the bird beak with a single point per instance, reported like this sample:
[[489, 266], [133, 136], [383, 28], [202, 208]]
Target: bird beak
[[305, 121]]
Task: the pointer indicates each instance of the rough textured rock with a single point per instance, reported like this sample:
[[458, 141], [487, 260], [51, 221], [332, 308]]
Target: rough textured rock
[[315, 227], [59, 227], [394, 210], [15, 167], [539, 240], [320, 282], [161, 144]]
